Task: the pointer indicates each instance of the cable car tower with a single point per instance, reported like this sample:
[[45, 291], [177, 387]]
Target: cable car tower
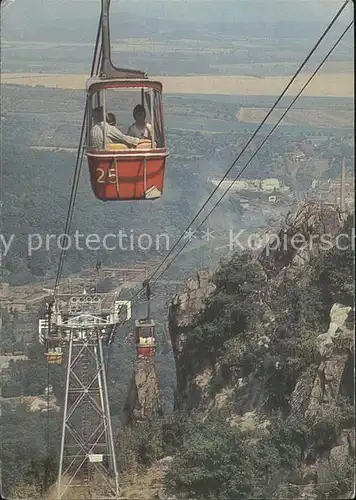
[[84, 323]]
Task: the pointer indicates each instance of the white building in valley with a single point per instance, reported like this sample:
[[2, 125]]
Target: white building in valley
[[271, 185]]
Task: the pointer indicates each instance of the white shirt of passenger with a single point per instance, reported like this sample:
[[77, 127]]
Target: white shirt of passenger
[[140, 133], [113, 135]]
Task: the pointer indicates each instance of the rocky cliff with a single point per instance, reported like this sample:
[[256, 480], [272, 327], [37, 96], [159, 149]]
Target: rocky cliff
[[182, 311], [275, 332], [143, 399]]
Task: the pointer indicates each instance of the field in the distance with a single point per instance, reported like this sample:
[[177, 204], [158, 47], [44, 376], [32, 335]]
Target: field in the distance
[[328, 118], [323, 85]]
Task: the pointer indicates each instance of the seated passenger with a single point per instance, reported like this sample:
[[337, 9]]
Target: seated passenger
[[140, 128], [113, 134], [110, 118]]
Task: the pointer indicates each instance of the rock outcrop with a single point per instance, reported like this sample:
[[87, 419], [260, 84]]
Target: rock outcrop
[[317, 394], [289, 258], [182, 311], [143, 399], [317, 388], [334, 352], [305, 233]]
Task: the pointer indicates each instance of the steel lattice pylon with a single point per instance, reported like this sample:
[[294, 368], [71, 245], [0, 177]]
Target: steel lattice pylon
[[87, 457], [82, 324]]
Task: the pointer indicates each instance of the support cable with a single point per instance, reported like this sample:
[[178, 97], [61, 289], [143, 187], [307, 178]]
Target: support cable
[[147, 282], [332, 22], [249, 161], [261, 145], [80, 155], [73, 194]]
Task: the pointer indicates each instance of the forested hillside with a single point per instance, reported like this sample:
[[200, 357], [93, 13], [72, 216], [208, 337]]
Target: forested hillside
[[264, 398], [271, 353]]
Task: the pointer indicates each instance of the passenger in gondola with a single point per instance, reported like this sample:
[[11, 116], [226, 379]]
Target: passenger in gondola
[[113, 134], [140, 128], [111, 119]]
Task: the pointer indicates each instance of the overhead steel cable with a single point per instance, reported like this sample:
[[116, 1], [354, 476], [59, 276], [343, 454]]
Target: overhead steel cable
[[95, 68], [80, 154], [251, 158], [78, 165], [263, 142], [136, 295], [73, 195], [326, 31]]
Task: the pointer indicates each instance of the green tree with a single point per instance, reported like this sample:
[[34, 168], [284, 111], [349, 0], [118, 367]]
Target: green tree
[[217, 461], [230, 311]]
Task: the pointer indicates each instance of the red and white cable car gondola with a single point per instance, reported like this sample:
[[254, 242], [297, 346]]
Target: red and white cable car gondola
[[145, 330], [119, 169], [145, 337]]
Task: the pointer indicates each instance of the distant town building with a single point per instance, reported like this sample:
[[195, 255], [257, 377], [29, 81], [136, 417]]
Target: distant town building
[[239, 185], [254, 185], [270, 185], [296, 156], [244, 203], [251, 185]]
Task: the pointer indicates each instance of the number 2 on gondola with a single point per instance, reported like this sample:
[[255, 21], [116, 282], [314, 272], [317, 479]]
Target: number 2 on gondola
[[110, 177]]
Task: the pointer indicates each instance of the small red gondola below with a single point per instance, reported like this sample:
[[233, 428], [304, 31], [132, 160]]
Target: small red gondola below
[[121, 172], [145, 337]]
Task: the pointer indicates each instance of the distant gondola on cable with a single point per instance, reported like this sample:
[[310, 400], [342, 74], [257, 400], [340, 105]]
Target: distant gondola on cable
[[126, 159], [54, 356], [145, 337], [54, 353], [145, 330]]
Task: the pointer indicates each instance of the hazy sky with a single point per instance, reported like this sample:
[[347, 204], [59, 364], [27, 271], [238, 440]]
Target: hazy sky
[[20, 13], [244, 10], [258, 10]]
